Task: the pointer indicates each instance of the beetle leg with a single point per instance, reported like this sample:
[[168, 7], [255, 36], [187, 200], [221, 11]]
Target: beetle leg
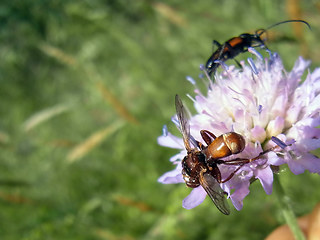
[[237, 62], [215, 42]]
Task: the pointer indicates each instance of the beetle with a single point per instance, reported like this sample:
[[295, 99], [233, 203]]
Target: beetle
[[239, 44]]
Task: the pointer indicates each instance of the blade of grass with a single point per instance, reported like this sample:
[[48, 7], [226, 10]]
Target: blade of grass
[[44, 115], [58, 54], [91, 73], [117, 105], [93, 141]]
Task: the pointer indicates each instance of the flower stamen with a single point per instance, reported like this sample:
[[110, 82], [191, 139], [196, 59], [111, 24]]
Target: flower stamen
[[253, 66], [256, 53]]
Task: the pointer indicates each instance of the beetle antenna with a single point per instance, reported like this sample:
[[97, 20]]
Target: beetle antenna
[[261, 31]]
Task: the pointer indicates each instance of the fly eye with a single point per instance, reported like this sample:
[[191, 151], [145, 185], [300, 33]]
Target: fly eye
[[185, 167], [201, 157], [184, 161]]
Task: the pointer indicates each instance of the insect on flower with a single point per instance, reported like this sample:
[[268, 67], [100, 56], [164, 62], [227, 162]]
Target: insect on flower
[[264, 103], [200, 165], [240, 44]]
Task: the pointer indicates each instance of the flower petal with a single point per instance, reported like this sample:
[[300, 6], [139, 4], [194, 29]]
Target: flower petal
[[274, 159], [172, 177], [258, 134], [195, 198], [295, 167], [275, 127], [171, 141], [178, 157], [311, 163], [241, 191], [265, 176]]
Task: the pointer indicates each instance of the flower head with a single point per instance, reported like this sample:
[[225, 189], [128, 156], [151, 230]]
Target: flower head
[[269, 107]]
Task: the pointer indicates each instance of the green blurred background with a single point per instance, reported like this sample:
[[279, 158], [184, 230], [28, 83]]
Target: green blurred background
[[86, 87]]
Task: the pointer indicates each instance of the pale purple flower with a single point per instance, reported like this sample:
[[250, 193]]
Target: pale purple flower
[[260, 101]]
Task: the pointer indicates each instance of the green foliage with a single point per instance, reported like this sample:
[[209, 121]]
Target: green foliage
[[85, 89]]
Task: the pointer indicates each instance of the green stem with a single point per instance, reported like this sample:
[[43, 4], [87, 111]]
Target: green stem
[[286, 210]]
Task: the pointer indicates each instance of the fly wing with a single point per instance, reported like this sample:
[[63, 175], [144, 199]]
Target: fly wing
[[184, 122], [215, 192]]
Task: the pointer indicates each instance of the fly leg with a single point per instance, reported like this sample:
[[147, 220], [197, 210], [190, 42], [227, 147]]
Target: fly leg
[[242, 161], [207, 136]]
